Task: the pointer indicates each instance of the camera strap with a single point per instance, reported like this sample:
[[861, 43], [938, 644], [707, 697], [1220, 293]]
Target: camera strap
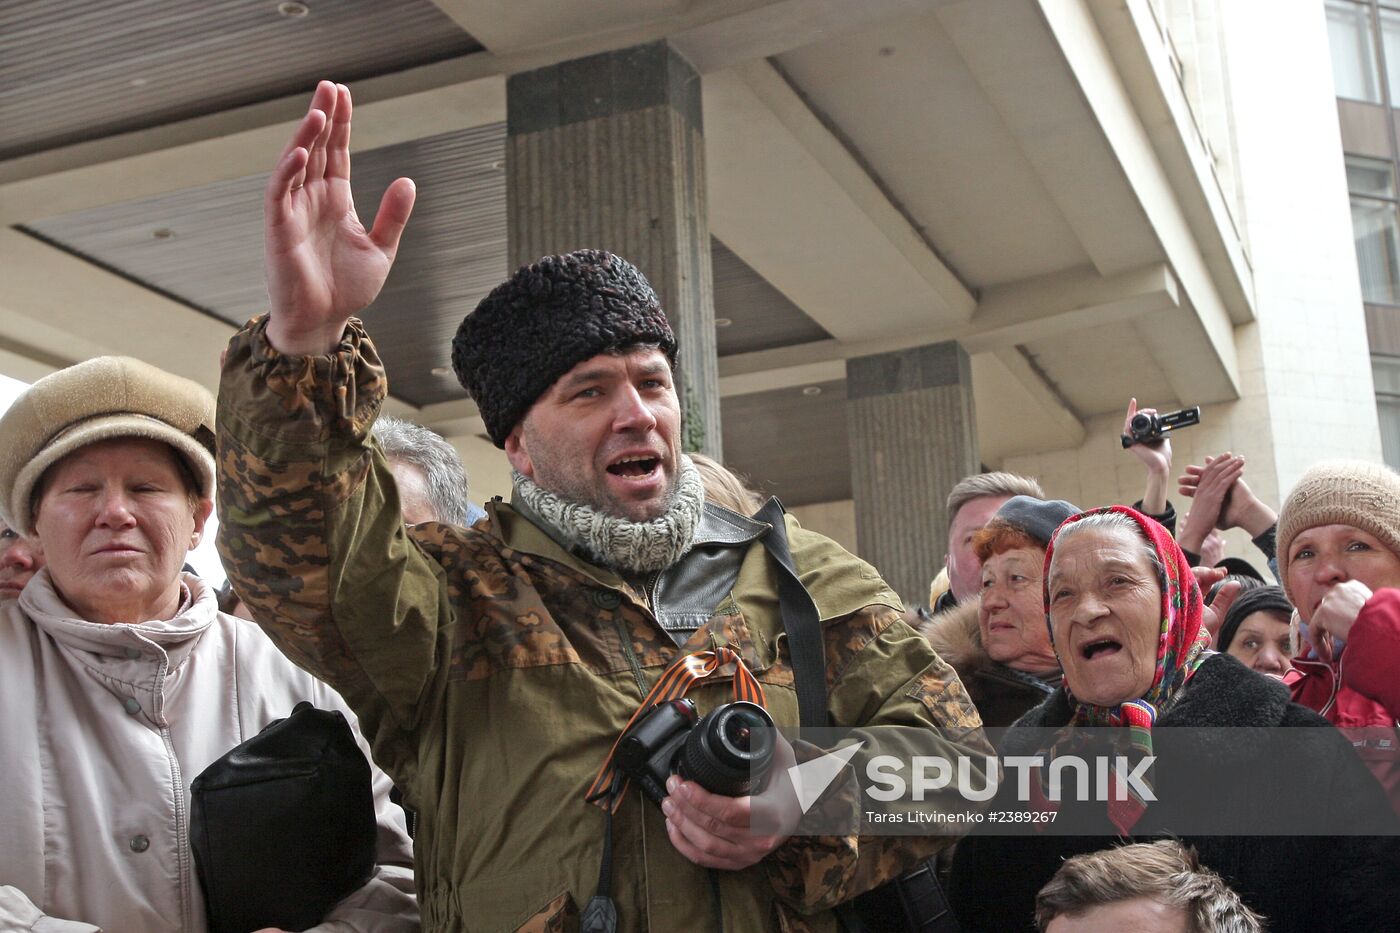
[[801, 622], [686, 672]]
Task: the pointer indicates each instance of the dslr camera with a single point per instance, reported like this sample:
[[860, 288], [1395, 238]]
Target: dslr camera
[[728, 752], [1146, 428]]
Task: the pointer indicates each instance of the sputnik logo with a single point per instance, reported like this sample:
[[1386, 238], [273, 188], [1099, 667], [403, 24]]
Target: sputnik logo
[[811, 778]]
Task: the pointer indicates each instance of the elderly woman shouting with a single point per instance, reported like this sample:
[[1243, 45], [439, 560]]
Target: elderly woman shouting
[[1128, 624], [119, 678]]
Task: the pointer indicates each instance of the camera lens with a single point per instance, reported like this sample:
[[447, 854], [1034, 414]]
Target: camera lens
[[730, 750], [1142, 424]]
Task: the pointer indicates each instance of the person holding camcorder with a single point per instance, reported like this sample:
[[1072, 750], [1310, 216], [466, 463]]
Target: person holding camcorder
[[494, 668]]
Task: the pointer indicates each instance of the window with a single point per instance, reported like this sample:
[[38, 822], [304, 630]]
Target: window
[[1386, 370], [1390, 42], [1353, 51], [1375, 227]]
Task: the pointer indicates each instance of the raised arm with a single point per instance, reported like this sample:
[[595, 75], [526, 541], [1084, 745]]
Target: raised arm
[[323, 266], [310, 527], [1156, 459]]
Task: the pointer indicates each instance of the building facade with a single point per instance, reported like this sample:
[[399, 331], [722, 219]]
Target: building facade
[[900, 241], [1365, 40]]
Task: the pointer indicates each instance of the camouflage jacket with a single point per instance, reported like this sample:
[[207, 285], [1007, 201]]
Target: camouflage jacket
[[492, 669]]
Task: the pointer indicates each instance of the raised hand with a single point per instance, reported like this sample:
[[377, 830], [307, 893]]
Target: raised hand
[[1241, 508], [1213, 616], [1334, 616], [323, 266], [1156, 458], [1208, 488]]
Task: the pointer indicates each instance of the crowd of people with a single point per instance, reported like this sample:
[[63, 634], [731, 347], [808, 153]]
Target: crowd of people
[[486, 661]]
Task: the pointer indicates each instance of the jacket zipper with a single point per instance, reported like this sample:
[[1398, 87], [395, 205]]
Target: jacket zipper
[[182, 822], [650, 591]]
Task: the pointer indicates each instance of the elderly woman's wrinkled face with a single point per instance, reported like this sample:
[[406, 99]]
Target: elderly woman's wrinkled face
[[20, 558], [1105, 614], [1012, 611], [116, 521], [1264, 643], [1322, 556]]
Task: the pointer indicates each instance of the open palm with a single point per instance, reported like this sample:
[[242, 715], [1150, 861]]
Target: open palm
[[323, 265]]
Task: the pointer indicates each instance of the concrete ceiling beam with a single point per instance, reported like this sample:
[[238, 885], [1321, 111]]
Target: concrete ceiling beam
[[712, 35], [237, 143], [73, 310], [1216, 292], [1019, 313], [1009, 315], [1139, 48], [793, 202], [1041, 420], [1200, 364]]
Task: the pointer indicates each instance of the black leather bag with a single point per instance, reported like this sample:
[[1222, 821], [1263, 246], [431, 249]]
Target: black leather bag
[[283, 826]]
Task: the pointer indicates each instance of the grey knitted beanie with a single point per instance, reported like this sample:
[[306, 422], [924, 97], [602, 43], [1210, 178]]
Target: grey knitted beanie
[[546, 319], [1341, 492]]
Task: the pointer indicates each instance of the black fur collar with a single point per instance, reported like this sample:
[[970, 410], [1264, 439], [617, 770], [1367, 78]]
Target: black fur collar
[[1222, 693]]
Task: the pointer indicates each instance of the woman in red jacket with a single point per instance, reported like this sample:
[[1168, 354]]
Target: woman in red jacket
[[1339, 559]]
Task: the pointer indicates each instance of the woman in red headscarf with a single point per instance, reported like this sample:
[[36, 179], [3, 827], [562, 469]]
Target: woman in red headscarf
[[1196, 729]]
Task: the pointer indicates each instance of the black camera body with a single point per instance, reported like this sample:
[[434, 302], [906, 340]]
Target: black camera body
[[728, 752], [1146, 428]]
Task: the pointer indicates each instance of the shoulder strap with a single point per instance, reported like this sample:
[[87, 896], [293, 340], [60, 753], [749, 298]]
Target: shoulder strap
[[801, 621]]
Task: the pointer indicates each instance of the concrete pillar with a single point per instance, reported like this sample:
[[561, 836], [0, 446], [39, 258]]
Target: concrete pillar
[[912, 436], [608, 152]]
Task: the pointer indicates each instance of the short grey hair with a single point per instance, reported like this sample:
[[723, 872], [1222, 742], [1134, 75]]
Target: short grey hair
[[1114, 521], [982, 485], [427, 450], [1164, 871]]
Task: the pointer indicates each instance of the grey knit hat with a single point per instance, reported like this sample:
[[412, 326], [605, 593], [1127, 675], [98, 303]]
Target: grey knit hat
[[1341, 492], [544, 320], [100, 399]]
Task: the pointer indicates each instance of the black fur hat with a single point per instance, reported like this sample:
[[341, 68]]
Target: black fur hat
[[546, 319]]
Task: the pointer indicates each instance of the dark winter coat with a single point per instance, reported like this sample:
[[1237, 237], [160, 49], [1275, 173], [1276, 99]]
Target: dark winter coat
[[1312, 883], [1002, 695]]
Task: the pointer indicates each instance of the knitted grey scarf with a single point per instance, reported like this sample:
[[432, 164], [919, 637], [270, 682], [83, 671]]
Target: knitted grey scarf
[[628, 546]]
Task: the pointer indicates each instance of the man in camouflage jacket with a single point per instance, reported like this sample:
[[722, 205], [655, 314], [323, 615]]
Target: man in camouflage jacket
[[493, 667]]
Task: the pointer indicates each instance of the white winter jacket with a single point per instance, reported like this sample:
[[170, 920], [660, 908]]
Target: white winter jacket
[[102, 729]]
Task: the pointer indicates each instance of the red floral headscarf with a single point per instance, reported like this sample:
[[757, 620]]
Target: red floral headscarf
[[1182, 645]]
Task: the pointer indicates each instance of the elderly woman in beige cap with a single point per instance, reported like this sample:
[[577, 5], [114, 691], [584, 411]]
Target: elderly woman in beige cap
[[119, 678], [1339, 559]]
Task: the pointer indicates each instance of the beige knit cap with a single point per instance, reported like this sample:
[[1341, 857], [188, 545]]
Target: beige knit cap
[[1341, 492], [103, 398]]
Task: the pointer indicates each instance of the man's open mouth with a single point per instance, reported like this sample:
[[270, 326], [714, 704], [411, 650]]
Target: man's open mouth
[[1101, 648], [637, 467]]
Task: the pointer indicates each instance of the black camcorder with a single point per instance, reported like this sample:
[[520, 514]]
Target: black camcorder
[[1146, 428], [728, 752]]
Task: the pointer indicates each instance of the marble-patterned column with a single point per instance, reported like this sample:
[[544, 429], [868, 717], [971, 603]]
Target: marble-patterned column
[[608, 152], [913, 435]]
